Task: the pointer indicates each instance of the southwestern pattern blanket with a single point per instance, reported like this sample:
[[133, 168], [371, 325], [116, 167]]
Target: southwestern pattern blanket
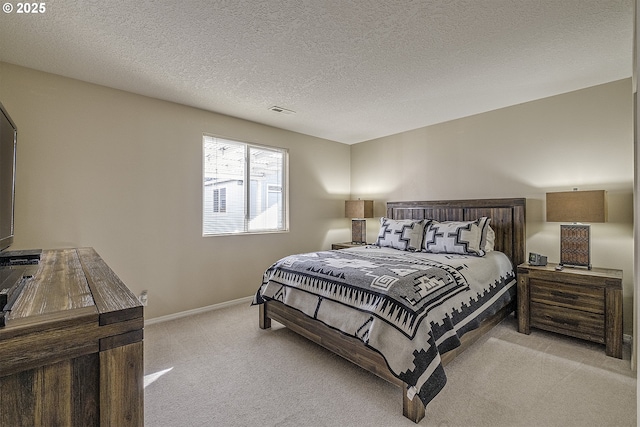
[[411, 307]]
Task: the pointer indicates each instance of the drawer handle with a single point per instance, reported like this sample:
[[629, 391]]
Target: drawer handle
[[564, 295]]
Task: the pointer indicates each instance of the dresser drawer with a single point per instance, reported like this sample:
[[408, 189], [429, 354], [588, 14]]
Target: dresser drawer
[[569, 296], [568, 321]]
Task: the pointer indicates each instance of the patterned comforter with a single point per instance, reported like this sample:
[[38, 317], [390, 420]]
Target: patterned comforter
[[411, 307]]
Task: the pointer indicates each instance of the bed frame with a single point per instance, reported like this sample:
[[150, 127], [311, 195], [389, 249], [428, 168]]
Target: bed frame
[[507, 220]]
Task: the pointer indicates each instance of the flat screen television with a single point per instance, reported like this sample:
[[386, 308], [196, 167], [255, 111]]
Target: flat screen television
[[8, 141]]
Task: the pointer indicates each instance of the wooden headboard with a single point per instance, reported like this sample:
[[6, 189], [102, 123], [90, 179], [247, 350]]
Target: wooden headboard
[[507, 218]]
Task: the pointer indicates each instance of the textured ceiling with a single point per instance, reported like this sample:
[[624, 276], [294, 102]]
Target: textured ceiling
[[351, 70]]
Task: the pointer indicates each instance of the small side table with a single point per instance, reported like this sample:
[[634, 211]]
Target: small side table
[[347, 245], [581, 303]]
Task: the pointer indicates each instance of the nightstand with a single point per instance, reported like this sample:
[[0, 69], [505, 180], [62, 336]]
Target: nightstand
[[581, 303], [347, 245]]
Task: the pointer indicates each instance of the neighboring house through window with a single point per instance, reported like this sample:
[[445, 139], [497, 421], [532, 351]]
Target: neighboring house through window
[[229, 205]]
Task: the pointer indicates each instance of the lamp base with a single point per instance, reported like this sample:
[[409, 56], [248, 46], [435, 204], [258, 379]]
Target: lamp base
[[359, 231], [575, 245]]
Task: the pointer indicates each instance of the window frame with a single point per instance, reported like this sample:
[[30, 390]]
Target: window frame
[[247, 188]]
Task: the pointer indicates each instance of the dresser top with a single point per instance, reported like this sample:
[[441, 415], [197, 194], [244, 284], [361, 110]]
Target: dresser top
[[73, 283]]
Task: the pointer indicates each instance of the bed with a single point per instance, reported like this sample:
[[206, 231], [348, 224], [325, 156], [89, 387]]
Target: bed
[[427, 297]]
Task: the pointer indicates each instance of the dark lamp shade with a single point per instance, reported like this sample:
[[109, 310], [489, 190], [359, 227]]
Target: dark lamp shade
[[577, 206], [358, 208]]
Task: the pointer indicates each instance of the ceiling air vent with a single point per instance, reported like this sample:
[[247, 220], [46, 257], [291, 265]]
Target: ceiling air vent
[[281, 110]]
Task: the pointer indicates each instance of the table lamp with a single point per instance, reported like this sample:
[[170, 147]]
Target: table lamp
[[358, 210], [576, 207]]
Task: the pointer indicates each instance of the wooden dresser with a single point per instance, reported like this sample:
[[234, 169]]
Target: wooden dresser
[[71, 352], [577, 302]]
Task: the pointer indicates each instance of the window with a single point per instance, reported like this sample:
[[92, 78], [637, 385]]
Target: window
[[230, 205]]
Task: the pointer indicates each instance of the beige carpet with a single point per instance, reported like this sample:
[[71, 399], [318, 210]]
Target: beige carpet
[[220, 369]]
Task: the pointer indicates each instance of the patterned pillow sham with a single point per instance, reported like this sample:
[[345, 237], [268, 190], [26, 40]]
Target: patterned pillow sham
[[403, 234], [457, 237]]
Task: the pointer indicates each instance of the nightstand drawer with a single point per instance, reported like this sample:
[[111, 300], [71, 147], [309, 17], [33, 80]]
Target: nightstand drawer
[[577, 323], [561, 295]]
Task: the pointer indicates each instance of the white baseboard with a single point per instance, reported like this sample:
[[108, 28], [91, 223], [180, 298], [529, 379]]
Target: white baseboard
[[198, 310]]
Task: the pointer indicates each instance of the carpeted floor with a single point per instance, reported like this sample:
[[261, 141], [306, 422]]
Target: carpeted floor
[[219, 369]]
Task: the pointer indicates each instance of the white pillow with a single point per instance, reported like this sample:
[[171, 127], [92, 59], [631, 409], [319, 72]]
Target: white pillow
[[403, 234], [489, 239], [457, 237]]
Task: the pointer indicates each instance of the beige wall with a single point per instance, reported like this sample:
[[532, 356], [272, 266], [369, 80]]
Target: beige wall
[[122, 173], [581, 139]]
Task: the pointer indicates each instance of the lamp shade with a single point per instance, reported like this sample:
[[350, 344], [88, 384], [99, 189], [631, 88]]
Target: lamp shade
[[358, 208], [577, 206]]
